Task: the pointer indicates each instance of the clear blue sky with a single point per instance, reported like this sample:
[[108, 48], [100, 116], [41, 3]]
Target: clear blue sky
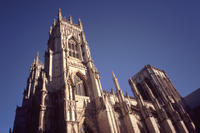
[[123, 37]]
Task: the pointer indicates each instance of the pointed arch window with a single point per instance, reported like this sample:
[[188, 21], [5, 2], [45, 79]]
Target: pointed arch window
[[80, 88], [73, 49]]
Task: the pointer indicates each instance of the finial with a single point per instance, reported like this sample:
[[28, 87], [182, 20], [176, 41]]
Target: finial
[[80, 23], [50, 30], [59, 15], [70, 19]]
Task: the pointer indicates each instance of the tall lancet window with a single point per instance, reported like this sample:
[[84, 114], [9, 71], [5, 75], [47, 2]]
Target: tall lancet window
[[80, 88], [73, 49]]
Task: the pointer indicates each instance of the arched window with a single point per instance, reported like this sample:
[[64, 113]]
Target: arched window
[[80, 88], [73, 49]]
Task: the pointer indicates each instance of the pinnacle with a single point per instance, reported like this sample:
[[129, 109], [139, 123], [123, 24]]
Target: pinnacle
[[59, 15], [37, 53], [37, 58], [113, 74], [59, 9]]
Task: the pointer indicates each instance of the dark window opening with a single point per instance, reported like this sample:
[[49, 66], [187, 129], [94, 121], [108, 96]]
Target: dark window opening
[[143, 92]]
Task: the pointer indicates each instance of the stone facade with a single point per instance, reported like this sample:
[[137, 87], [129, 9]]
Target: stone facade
[[64, 95]]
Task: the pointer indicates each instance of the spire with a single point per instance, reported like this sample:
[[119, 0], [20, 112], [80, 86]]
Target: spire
[[59, 15], [70, 19], [80, 24]]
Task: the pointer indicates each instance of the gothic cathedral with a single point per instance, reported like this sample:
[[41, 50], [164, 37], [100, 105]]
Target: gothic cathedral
[[64, 94]]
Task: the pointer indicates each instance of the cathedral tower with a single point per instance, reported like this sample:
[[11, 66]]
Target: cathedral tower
[[66, 89]]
